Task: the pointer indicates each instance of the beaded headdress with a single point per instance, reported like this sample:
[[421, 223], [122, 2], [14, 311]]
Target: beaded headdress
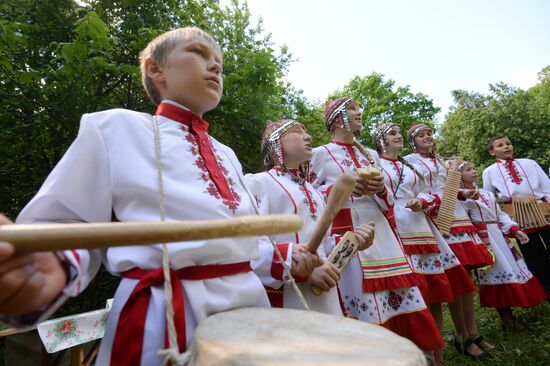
[[337, 107], [271, 139], [414, 131], [462, 164], [380, 135]]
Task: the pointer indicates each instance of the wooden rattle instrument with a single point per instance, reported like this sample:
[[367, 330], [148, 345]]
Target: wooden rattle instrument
[[341, 255], [446, 213]]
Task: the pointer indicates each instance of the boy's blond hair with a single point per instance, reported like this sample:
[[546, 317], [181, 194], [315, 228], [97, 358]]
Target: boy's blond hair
[[158, 50]]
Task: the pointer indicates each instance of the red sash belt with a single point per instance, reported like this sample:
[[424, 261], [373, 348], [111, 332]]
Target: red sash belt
[[128, 342], [482, 231]]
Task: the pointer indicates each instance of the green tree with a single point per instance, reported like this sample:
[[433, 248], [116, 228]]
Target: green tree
[[309, 113], [383, 101], [522, 115], [59, 59]]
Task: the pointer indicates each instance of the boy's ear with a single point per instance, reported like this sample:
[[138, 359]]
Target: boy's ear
[[154, 70], [492, 152]]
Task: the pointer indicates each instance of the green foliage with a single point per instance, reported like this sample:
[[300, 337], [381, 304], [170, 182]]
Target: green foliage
[[382, 102], [59, 59], [309, 113], [522, 115]]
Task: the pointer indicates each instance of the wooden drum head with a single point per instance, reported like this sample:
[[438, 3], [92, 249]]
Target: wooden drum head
[[262, 336]]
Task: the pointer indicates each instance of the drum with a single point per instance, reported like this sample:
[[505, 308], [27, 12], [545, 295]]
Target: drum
[[263, 336]]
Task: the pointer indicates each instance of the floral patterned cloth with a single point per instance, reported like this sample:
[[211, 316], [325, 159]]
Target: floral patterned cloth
[[66, 332]]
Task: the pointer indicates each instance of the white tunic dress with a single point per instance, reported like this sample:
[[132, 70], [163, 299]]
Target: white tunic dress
[[414, 230], [378, 286], [110, 169], [278, 193], [463, 239], [508, 283], [517, 177]]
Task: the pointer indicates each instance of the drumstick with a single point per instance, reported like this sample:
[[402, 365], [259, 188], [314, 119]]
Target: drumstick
[[340, 193], [52, 237]]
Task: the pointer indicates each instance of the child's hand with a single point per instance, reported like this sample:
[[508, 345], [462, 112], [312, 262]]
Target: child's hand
[[325, 277], [414, 204], [28, 282], [303, 261], [365, 235], [470, 193], [375, 185], [360, 187], [522, 237]]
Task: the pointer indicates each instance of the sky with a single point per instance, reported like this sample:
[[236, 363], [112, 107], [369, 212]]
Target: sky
[[434, 46]]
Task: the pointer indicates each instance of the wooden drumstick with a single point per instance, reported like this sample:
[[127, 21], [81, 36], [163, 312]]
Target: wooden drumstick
[[340, 193], [52, 237]]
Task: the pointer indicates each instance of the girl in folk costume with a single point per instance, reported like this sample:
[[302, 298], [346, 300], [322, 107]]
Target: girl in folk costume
[[378, 286], [184, 174], [509, 178], [283, 188], [430, 256], [463, 240], [508, 283]]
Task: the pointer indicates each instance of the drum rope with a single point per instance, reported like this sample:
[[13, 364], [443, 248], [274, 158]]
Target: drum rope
[[171, 354]]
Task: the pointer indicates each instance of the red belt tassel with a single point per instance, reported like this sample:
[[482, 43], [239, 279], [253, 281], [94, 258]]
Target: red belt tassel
[[128, 341]]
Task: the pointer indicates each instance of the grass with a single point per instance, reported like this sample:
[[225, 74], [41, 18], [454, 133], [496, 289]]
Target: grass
[[529, 347]]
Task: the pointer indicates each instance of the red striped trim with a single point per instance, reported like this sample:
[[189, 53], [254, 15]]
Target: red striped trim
[[275, 296], [513, 230], [291, 200], [333, 158], [384, 196], [512, 295], [351, 153], [199, 128], [429, 171], [460, 280], [456, 230], [482, 232], [389, 283], [438, 289], [536, 229], [128, 339], [76, 255], [342, 222], [419, 327], [472, 255], [420, 248]]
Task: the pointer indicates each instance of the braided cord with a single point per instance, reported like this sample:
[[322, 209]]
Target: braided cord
[[171, 354]]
